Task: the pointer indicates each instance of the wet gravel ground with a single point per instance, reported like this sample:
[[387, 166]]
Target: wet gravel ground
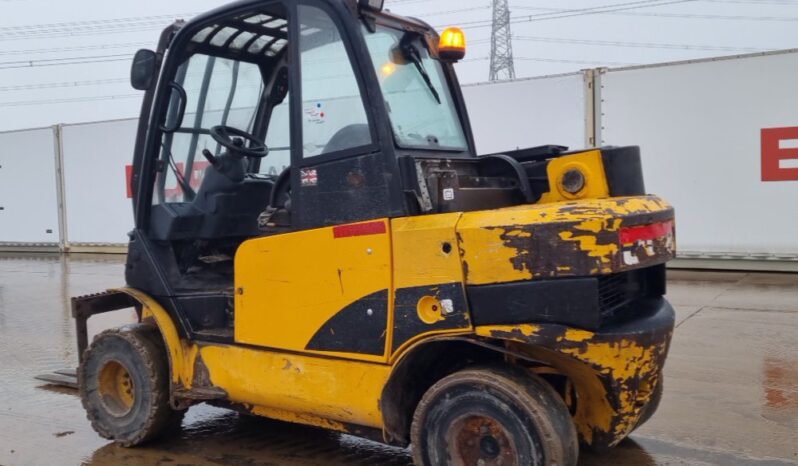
[[731, 393]]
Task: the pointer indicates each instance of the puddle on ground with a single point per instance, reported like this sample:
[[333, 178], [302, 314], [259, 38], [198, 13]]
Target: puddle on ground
[[780, 386]]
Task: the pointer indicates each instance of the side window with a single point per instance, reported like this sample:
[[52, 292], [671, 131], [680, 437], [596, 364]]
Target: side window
[[218, 91], [278, 140], [334, 117]]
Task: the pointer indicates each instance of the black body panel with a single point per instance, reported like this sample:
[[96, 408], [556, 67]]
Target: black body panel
[[624, 171], [589, 303], [407, 324], [353, 329], [346, 190]]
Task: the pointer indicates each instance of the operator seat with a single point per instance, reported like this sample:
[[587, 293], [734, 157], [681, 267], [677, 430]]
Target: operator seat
[[225, 177], [226, 205], [229, 199], [355, 135]]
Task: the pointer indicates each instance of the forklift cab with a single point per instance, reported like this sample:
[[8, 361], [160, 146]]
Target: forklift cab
[[271, 110], [277, 116]]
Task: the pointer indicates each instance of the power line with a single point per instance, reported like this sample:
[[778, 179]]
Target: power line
[[76, 24], [83, 33], [76, 48], [404, 2], [559, 13], [437, 13], [557, 60], [94, 27], [756, 2], [64, 61], [671, 15], [21, 103], [647, 45], [575, 62], [55, 85]]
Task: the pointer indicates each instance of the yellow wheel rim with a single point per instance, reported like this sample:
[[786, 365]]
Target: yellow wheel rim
[[116, 388]]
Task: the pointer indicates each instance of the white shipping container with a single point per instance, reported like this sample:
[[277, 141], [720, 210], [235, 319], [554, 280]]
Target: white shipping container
[[28, 190], [95, 155], [699, 125], [529, 112]]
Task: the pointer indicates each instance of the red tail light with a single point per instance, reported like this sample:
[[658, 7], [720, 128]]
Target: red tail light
[[630, 235]]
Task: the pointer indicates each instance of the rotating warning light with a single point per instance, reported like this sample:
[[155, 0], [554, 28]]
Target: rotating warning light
[[388, 69], [452, 45]]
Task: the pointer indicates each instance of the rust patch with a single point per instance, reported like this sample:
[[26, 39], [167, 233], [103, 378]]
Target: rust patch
[[201, 377], [616, 374], [545, 253], [587, 246]]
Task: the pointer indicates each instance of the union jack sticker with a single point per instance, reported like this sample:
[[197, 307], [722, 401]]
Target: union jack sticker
[[308, 177]]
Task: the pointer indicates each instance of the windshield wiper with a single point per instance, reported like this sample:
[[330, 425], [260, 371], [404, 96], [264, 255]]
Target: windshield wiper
[[411, 53]]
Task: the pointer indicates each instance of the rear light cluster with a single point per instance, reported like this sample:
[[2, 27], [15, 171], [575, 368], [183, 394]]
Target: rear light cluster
[[630, 235]]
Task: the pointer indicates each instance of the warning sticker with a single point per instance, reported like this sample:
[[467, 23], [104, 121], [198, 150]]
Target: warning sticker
[[448, 194], [315, 114]]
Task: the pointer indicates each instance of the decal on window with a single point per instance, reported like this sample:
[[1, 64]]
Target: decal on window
[[308, 177]]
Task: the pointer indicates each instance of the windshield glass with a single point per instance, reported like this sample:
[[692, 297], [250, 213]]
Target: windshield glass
[[417, 97]]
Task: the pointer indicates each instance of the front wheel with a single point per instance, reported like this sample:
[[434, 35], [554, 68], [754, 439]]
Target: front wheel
[[124, 385], [493, 417]]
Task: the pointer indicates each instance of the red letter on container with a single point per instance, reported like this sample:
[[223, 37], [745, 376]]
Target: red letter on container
[[773, 154]]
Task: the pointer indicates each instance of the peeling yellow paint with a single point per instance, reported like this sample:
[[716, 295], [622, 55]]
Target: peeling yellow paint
[[624, 359], [519, 234], [521, 242], [628, 368], [507, 331], [590, 245], [577, 335], [627, 363], [488, 259]]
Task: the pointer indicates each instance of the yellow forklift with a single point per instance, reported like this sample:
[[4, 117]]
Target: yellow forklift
[[317, 241]]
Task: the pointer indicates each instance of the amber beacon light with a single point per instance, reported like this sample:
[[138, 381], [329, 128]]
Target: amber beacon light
[[452, 45]]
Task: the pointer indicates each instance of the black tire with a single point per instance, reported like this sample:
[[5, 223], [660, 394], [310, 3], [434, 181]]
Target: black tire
[[496, 415], [124, 385]]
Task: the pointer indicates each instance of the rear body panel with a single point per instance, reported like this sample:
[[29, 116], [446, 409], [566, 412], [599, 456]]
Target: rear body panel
[[564, 239], [369, 290]]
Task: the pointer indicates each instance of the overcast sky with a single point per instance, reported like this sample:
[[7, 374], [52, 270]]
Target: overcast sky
[[68, 61]]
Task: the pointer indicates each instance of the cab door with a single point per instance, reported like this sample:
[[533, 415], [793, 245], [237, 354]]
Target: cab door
[[325, 286]]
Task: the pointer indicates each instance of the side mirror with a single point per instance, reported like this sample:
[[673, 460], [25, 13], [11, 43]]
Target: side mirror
[[142, 72]]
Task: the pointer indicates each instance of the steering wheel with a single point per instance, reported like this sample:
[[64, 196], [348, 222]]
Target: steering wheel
[[234, 140]]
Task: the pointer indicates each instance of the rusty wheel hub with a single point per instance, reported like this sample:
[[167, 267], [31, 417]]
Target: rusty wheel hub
[[479, 440]]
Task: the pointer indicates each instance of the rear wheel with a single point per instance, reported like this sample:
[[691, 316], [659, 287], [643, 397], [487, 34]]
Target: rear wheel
[[493, 417], [124, 385]]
